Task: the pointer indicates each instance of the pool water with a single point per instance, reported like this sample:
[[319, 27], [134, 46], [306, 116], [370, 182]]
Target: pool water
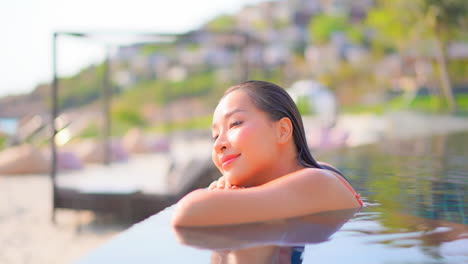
[[416, 203], [8, 125], [416, 211]]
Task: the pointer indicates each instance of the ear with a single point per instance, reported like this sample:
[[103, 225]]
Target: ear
[[284, 130]]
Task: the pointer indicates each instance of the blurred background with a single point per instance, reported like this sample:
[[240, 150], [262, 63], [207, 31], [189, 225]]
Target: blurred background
[[360, 71], [370, 55]]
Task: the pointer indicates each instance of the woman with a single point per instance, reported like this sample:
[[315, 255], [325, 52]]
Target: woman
[[268, 242], [268, 172]]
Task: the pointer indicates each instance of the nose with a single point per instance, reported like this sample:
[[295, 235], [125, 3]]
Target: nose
[[221, 144]]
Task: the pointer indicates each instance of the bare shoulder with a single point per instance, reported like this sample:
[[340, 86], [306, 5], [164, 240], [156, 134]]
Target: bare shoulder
[[305, 176], [312, 184], [326, 164]]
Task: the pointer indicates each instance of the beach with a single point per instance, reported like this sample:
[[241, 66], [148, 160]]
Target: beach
[[28, 234]]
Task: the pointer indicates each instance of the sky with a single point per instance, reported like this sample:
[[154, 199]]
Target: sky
[[27, 27]]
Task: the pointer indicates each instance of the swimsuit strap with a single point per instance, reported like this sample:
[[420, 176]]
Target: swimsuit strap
[[297, 254], [350, 188], [345, 181], [330, 168]]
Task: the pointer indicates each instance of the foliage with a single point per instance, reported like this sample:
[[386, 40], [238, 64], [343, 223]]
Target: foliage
[[462, 103], [391, 30], [422, 19], [199, 84], [129, 116], [81, 89], [355, 33], [448, 18], [202, 122], [423, 22], [425, 103], [304, 105], [270, 75], [458, 70], [127, 107], [222, 23], [389, 25], [360, 108], [163, 92], [322, 26], [152, 48], [91, 131], [2, 141]]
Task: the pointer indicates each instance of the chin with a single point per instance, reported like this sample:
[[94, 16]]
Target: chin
[[236, 179]]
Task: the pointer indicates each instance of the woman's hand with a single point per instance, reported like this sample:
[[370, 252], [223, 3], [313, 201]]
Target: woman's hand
[[222, 184]]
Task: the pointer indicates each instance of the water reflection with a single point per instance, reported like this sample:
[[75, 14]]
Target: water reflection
[[280, 241], [425, 177], [263, 254], [416, 212], [416, 209], [419, 188]]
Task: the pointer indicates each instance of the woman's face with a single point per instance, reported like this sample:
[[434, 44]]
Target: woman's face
[[244, 137]]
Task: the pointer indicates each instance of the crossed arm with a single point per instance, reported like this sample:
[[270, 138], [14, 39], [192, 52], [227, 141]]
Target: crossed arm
[[300, 193]]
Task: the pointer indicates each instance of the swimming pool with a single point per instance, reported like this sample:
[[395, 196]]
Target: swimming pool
[[416, 212], [8, 125]]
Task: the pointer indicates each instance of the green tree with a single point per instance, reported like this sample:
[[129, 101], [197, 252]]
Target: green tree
[[404, 24], [222, 23], [446, 20], [321, 27]]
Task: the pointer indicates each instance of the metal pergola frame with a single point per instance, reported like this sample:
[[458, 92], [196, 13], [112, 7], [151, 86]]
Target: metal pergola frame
[[155, 37], [106, 98]]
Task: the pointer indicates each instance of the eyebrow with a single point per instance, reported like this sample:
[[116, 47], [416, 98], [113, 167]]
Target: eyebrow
[[228, 114]]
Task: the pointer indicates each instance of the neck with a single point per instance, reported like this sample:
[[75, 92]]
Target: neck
[[287, 163]]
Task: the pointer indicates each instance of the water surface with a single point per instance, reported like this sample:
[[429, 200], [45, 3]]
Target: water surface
[[416, 212]]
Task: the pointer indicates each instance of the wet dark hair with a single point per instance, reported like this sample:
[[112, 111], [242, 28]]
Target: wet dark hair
[[276, 102]]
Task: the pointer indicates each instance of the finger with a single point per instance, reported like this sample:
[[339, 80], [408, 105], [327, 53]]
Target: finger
[[213, 185], [227, 185], [221, 183]]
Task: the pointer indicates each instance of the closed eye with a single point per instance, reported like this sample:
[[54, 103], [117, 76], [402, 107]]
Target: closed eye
[[234, 124]]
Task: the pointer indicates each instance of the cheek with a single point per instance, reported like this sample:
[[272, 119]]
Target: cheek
[[256, 139], [243, 136], [214, 159]]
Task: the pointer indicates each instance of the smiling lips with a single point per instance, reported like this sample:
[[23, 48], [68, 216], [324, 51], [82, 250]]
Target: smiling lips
[[228, 159]]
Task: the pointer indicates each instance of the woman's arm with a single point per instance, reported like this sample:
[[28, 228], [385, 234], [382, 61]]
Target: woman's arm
[[308, 229], [300, 193]]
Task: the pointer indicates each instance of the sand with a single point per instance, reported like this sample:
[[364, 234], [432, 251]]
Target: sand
[[28, 234]]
